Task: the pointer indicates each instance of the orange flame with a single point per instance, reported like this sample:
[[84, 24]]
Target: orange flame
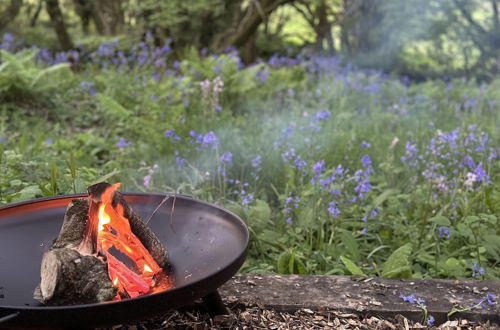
[[113, 230]]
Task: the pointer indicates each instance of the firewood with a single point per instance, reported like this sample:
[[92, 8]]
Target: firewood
[[74, 224], [73, 271], [70, 278], [145, 234]]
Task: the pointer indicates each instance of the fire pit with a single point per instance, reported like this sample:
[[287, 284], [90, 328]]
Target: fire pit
[[206, 246]]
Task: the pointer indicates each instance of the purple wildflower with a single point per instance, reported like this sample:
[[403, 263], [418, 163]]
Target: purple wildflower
[[477, 270], [333, 209], [443, 231], [365, 145], [412, 299], [262, 75], [122, 143]]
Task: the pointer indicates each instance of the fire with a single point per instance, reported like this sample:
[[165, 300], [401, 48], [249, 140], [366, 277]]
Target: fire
[[110, 228]]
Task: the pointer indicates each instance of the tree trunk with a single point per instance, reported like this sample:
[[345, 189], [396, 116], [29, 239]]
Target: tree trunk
[[324, 29], [250, 49], [83, 9], [10, 14], [117, 15], [57, 20], [99, 17], [249, 22], [36, 14]]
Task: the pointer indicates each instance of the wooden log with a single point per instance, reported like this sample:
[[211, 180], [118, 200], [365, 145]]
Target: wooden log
[[74, 224], [368, 297], [68, 278], [145, 235], [73, 272]]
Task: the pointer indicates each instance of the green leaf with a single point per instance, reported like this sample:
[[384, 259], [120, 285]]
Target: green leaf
[[106, 176], [397, 263], [27, 193], [440, 220], [112, 107], [283, 262], [351, 266], [51, 69], [464, 230], [384, 196], [350, 244], [53, 179], [260, 211]]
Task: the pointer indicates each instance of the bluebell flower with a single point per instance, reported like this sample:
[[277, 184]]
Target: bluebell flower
[[300, 163], [210, 139], [262, 75], [256, 162], [490, 299], [430, 320], [477, 270], [122, 143], [318, 168], [412, 299], [443, 231], [246, 200], [366, 161], [226, 160], [333, 209], [365, 145], [8, 37], [2, 139], [181, 162], [374, 212]]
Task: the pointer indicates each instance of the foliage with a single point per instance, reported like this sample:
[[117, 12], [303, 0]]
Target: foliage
[[336, 170], [22, 79]]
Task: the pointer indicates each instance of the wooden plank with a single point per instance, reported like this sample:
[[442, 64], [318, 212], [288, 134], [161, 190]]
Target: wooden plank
[[369, 297]]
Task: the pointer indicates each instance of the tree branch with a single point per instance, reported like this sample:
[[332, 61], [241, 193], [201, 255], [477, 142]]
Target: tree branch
[[468, 17], [496, 18], [309, 18]]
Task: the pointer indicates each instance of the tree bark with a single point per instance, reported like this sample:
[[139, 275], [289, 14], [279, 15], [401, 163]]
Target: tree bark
[[323, 29], [99, 18], [10, 14], [249, 21], [36, 14], [57, 20], [83, 9]]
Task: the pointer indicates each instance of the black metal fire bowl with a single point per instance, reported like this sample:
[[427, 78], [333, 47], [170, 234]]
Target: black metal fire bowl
[[206, 244]]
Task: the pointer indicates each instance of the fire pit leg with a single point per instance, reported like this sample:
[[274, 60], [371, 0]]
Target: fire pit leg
[[213, 303]]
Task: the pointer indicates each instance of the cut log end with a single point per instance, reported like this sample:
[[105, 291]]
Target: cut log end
[[68, 278]]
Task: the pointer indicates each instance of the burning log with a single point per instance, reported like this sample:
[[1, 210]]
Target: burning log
[[80, 267]]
